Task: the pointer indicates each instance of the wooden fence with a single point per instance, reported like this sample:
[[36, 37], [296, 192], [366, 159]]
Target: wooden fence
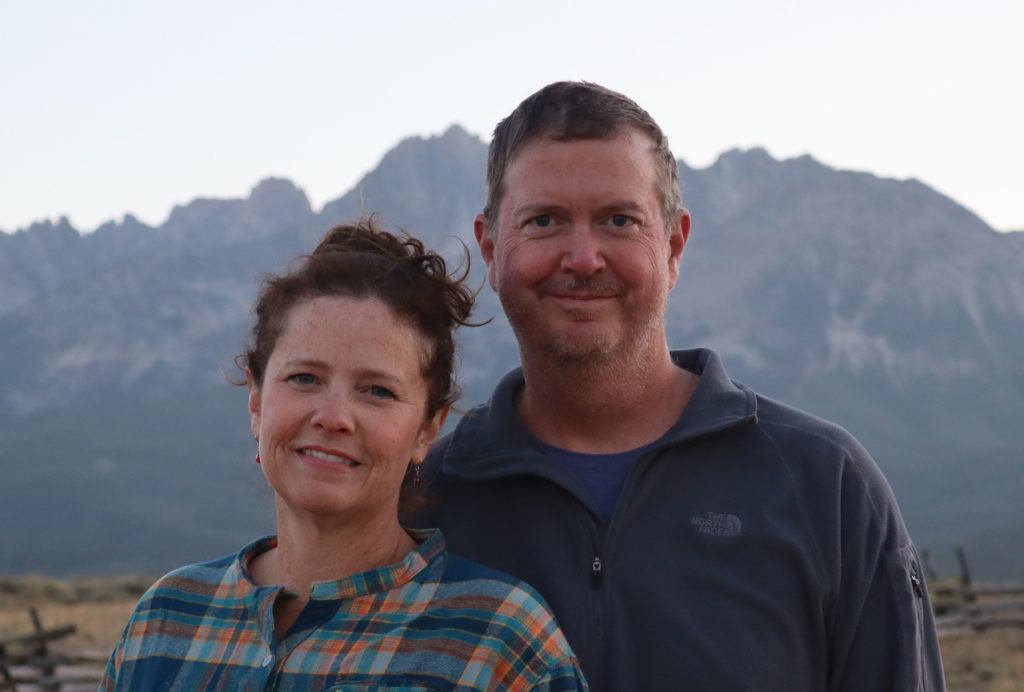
[[961, 605], [977, 607], [27, 664]]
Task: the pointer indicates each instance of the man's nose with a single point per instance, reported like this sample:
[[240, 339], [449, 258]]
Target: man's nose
[[582, 253]]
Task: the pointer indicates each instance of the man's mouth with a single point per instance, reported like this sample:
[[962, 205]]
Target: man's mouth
[[581, 289], [583, 296]]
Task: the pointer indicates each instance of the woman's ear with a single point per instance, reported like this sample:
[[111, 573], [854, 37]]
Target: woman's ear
[[428, 433], [254, 403]]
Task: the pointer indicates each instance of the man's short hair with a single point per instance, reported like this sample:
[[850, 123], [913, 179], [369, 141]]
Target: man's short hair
[[564, 111]]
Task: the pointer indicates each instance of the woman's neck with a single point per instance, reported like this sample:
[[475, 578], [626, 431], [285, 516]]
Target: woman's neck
[[310, 551]]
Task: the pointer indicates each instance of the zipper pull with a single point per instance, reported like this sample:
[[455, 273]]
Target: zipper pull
[[916, 583], [595, 572]]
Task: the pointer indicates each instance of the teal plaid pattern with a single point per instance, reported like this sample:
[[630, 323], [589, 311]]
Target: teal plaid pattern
[[434, 621]]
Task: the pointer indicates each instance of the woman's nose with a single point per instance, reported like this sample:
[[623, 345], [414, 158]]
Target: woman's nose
[[334, 413]]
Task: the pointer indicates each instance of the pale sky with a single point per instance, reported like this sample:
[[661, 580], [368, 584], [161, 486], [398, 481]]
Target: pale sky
[[118, 106]]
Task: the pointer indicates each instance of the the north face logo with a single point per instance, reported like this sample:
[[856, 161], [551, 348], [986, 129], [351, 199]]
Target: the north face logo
[[718, 524]]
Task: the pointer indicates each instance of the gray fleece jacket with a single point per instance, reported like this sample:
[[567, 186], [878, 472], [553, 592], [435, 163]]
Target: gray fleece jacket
[[755, 547]]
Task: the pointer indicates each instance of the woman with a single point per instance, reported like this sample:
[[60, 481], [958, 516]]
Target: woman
[[350, 377]]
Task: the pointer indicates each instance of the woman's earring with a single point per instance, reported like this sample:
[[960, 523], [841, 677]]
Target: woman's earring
[[416, 475], [258, 450]]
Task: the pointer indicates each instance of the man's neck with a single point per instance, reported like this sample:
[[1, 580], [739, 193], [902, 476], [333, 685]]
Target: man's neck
[[604, 408]]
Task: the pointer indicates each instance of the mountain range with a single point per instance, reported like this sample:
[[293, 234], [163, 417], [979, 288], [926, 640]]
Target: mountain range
[[878, 303]]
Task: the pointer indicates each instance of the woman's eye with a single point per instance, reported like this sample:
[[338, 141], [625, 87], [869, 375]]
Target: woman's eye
[[303, 378], [382, 392]]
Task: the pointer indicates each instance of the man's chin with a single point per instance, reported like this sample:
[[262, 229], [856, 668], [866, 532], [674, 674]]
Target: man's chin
[[568, 343], [583, 349]]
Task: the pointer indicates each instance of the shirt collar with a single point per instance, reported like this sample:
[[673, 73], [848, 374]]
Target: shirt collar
[[429, 544]]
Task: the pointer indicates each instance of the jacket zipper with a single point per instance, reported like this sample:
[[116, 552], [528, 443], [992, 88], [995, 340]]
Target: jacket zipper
[[596, 572]]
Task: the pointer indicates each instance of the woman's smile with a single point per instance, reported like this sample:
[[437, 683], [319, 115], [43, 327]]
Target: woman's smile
[[335, 459]]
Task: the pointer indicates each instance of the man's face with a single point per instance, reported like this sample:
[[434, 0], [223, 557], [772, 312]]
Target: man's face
[[582, 259]]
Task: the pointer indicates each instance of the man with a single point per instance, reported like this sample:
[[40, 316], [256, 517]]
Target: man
[[688, 533]]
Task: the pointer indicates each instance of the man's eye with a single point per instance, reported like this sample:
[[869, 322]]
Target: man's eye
[[542, 221], [621, 220], [382, 392], [303, 378]]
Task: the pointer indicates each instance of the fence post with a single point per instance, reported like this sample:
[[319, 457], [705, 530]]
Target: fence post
[[965, 575], [929, 566], [48, 669], [6, 681]]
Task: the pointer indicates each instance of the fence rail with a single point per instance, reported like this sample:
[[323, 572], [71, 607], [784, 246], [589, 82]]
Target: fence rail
[[962, 606], [977, 608], [27, 664]]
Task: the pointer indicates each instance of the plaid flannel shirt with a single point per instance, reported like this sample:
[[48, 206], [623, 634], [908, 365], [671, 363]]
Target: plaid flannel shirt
[[432, 621]]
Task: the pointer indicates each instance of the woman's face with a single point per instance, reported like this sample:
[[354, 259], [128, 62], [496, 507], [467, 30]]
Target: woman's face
[[342, 410]]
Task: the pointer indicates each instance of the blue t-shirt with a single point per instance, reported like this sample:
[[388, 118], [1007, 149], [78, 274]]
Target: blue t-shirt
[[603, 474]]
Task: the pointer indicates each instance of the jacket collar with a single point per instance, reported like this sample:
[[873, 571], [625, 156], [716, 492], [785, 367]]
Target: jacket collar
[[490, 441]]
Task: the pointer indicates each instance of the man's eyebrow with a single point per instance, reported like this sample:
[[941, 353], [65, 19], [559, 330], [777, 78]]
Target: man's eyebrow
[[539, 208], [621, 205]]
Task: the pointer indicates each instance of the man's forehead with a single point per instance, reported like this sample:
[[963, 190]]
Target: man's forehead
[[622, 133], [626, 155]]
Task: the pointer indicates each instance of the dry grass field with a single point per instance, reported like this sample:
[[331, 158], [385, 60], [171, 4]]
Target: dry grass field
[[98, 608], [988, 661]]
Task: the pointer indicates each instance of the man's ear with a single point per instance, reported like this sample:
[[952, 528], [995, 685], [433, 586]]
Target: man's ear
[[254, 403], [678, 234], [484, 239], [428, 434]]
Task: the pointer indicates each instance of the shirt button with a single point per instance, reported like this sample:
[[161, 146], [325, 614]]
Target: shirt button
[[268, 660]]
